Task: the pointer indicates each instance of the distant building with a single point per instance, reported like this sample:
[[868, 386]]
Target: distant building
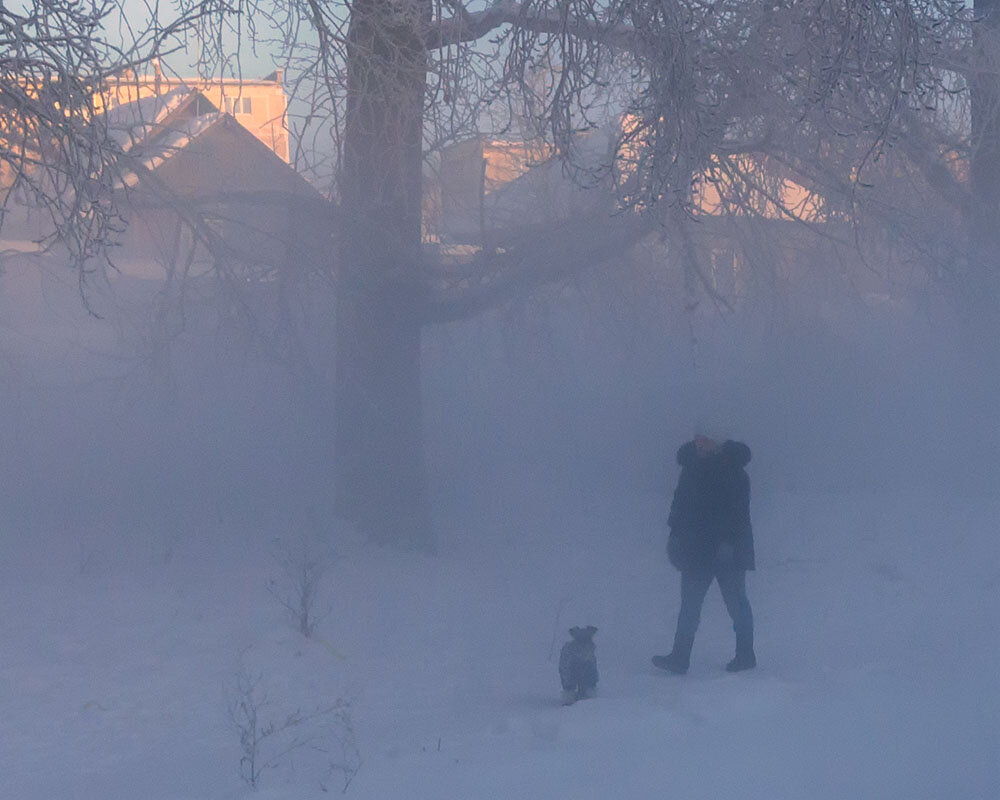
[[484, 186], [190, 173], [187, 158], [259, 105], [193, 163], [483, 189], [492, 195]]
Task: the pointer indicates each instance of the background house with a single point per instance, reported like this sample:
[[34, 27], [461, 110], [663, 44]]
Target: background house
[[195, 171], [259, 104], [213, 219], [485, 191], [752, 222], [215, 149]]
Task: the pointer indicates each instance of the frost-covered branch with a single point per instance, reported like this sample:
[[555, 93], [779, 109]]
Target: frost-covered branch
[[56, 154], [467, 26]]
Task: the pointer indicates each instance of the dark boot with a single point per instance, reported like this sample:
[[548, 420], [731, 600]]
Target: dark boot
[[745, 659], [680, 657]]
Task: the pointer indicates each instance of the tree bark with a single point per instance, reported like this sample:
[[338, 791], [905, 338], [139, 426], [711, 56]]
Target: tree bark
[[985, 160], [381, 480]]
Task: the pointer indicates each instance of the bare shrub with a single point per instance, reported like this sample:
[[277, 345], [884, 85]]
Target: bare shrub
[[301, 568], [344, 756], [269, 736]]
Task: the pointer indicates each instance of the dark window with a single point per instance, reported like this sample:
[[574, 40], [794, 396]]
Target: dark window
[[239, 105]]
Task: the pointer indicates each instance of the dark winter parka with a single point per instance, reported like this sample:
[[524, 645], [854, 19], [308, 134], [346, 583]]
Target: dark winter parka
[[711, 508]]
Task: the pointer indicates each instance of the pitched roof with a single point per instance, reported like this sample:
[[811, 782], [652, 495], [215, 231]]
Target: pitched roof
[[153, 152], [141, 120], [154, 129]]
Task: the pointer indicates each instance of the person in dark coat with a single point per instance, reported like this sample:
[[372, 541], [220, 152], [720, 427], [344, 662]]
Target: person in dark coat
[[711, 540]]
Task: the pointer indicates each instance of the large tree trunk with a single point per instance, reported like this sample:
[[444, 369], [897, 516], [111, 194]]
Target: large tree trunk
[[381, 475], [982, 311], [985, 162]]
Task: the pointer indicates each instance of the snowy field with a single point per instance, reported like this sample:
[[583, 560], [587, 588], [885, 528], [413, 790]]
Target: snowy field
[[877, 637], [145, 520]]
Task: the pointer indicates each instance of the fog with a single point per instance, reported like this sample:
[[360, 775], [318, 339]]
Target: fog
[[337, 395], [147, 477], [600, 380]]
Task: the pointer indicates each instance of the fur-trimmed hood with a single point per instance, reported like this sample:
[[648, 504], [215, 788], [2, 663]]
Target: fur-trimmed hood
[[735, 453]]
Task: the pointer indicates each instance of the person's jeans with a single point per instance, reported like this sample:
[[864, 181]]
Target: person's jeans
[[732, 584]]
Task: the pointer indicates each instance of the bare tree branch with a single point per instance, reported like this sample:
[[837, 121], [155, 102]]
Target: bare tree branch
[[468, 27]]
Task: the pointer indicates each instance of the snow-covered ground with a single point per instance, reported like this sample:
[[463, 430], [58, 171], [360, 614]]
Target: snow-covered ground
[[145, 515], [877, 638]]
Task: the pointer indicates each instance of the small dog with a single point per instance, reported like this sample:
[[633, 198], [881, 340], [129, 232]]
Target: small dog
[[578, 665]]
